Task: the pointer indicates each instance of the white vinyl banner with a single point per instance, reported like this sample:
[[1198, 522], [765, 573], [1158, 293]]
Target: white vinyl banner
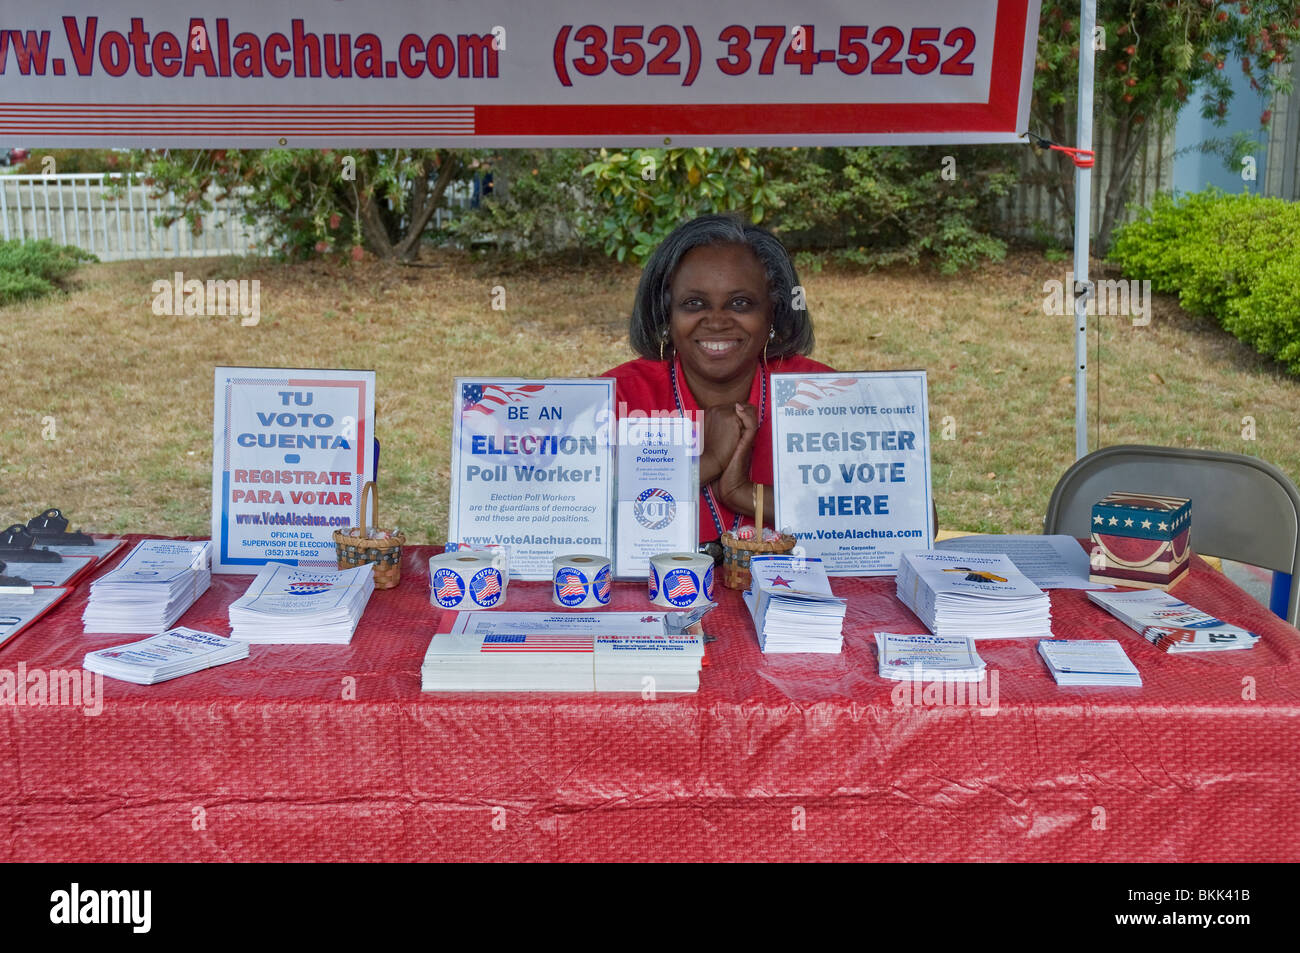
[[333, 73]]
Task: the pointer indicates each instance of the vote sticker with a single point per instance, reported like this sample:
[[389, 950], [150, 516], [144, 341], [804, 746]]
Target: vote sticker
[[654, 508], [652, 582], [570, 586], [708, 584], [681, 587], [448, 588], [602, 585], [485, 587]]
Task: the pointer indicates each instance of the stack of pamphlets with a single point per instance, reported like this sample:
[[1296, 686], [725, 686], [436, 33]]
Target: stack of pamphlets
[[289, 605], [1088, 662], [793, 607], [921, 658], [1172, 625], [973, 595], [561, 652], [176, 652], [151, 589]]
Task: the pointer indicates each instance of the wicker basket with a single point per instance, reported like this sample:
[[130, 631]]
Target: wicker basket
[[736, 552], [385, 554]]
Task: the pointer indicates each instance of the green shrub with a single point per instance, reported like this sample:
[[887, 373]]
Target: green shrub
[[1235, 258], [879, 205], [32, 269], [643, 194], [540, 203]]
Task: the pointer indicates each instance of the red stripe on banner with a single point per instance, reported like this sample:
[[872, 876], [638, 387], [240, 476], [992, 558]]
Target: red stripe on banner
[[1008, 59], [754, 119]]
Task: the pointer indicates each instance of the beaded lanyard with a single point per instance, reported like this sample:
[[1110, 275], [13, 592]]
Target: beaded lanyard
[[707, 492]]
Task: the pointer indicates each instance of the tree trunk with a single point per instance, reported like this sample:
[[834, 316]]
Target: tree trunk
[[424, 202], [1125, 148], [381, 233]]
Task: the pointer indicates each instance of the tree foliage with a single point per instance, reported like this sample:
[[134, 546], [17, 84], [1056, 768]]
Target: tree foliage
[[314, 201], [1155, 54], [645, 193]]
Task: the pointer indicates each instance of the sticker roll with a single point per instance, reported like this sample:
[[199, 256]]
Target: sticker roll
[[680, 580], [467, 580], [581, 581]]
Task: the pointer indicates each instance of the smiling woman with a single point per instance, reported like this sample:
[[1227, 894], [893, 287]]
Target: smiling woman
[[719, 310]]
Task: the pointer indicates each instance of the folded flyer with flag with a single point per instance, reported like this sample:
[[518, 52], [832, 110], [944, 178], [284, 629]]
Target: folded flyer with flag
[[298, 606], [1170, 624], [561, 652], [793, 607]]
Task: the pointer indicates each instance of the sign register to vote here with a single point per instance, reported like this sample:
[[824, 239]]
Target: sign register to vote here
[[852, 462]]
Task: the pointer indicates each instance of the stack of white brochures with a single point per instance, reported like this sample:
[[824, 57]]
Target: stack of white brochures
[[289, 605], [561, 652], [151, 589], [1170, 624], [170, 654], [927, 658], [647, 659], [1088, 662], [973, 595], [793, 607]]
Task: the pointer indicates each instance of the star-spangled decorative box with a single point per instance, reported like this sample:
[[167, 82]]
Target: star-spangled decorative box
[[1141, 540]]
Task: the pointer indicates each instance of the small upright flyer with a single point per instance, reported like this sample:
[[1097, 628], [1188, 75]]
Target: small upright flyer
[[851, 454], [291, 450], [658, 490], [532, 469]]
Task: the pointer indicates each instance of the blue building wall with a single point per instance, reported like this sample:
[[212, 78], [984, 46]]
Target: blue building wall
[[1194, 170]]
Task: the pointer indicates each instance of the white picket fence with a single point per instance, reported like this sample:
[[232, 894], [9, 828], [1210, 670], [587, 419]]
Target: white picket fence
[[91, 211]]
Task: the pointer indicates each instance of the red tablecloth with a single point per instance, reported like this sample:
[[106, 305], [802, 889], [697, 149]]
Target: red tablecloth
[[776, 758]]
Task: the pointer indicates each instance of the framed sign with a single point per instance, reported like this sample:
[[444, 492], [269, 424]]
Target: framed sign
[[851, 454], [532, 469], [658, 490], [319, 73], [291, 450]]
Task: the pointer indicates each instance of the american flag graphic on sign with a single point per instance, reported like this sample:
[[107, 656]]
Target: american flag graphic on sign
[[537, 643], [489, 398], [450, 587], [571, 585], [802, 394], [682, 588]]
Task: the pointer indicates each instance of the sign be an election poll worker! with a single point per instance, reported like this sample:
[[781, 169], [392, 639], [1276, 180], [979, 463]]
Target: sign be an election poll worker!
[[658, 490], [291, 450], [532, 469], [852, 462], [330, 74]]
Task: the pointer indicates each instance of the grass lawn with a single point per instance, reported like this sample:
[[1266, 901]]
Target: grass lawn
[[130, 392]]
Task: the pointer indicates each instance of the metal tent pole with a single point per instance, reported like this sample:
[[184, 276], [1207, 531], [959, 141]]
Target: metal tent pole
[[1082, 226]]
